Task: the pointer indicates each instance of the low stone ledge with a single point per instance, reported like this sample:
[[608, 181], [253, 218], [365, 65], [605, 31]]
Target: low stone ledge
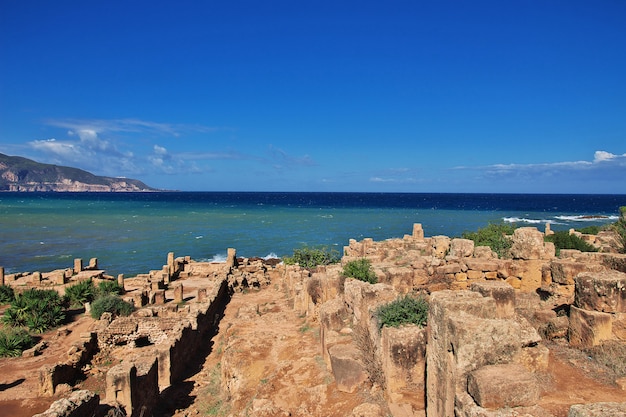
[[598, 410], [79, 404]]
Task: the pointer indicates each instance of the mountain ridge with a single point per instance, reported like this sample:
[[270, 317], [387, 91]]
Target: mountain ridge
[[22, 174]]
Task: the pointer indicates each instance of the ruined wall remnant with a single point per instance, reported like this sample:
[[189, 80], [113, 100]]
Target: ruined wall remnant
[[78, 404], [599, 303]]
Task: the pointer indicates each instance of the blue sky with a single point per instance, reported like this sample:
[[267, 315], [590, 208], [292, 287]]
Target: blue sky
[[397, 96]]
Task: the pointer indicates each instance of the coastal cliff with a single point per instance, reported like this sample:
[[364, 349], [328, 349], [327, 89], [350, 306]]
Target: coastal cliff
[[22, 174]]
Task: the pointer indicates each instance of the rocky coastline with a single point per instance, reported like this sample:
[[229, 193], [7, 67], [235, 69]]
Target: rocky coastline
[[261, 338]]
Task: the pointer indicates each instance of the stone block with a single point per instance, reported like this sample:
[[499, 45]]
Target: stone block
[[403, 351], [527, 243], [483, 265], [565, 270], [178, 294], [484, 252], [534, 358], [475, 275], [502, 293], [78, 265], [77, 404], [347, 367], [601, 291], [440, 246], [462, 248], [499, 386], [449, 269], [588, 328], [607, 409], [418, 231]]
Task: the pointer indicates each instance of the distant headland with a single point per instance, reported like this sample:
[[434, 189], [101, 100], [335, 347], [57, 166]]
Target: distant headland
[[22, 174]]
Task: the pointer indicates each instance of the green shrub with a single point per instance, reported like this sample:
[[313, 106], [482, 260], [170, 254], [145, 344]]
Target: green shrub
[[110, 304], [404, 310], [360, 269], [565, 240], [590, 230], [7, 295], [80, 293], [310, 257], [109, 287], [13, 341], [495, 236], [39, 310]]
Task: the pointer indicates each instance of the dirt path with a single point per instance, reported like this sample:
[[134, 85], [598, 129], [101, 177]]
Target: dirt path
[[265, 361], [575, 379]]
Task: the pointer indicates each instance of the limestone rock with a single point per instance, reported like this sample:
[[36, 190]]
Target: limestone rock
[[502, 293], [347, 367], [462, 248], [601, 291], [527, 243], [499, 386], [588, 328], [598, 410]]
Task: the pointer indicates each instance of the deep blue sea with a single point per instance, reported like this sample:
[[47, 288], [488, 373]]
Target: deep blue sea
[[132, 233]]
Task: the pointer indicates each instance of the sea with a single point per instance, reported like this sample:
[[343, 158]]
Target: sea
[[132, 233]]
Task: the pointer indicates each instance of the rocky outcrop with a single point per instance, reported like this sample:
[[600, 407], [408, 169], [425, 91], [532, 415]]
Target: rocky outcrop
[[21, 174]]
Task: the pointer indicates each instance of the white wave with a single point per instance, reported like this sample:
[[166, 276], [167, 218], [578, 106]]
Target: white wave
[[587, 218], [271, 255], [219, 258], [200, 237], [523, 220]]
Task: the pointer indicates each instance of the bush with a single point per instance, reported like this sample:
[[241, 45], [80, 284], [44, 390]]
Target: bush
[[109, 287], [404, 310], [360, 269], [495, 236], [14, 341], [110, 304], [39, 310], [564, 240], [309, 257], [7, 295], [80, 293]]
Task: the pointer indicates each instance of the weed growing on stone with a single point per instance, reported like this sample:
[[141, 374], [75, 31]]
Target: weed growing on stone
[[310, 257], [360, 269], [404, 310]]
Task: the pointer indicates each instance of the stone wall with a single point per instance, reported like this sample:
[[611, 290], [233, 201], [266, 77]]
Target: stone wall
[[68, 371]]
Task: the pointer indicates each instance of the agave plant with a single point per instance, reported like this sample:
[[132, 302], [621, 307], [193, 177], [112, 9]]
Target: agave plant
[[81, 293], [14, 341], [7, 294]]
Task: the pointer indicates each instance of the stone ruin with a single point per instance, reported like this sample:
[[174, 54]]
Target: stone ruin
[[480, 354]]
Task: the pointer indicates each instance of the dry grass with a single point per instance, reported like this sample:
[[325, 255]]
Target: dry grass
[[612, 355]]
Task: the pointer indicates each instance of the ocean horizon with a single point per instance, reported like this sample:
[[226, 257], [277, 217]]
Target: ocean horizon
[[132, 233]]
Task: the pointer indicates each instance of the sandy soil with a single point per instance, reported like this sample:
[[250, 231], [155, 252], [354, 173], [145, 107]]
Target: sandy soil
[[19, 377]]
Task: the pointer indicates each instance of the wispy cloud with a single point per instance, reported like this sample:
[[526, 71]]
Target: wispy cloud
[[401, 175], [601, 160], [113, 147], [281, 159], [605, 167]]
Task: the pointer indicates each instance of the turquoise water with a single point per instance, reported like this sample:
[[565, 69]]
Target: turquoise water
[[132, 233]]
